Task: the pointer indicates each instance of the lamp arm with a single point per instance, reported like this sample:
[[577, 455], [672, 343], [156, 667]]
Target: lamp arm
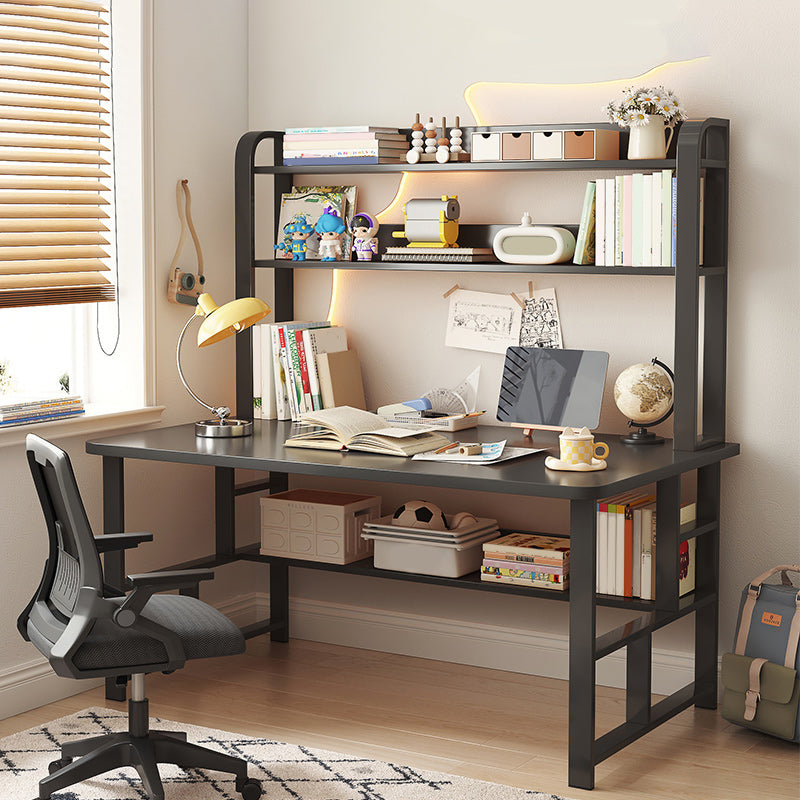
[[222, 411]]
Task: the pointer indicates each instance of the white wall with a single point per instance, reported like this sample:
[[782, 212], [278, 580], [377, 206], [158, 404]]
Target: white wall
[[383, 66]]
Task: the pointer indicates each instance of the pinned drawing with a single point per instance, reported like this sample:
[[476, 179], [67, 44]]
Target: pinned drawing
[[482, 321], [541, 326]]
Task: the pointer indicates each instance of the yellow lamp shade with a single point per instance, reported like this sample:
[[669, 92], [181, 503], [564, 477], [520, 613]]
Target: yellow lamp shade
[[223, 321]]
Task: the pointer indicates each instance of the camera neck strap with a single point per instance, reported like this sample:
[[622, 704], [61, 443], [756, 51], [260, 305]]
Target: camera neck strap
[[184, 198]]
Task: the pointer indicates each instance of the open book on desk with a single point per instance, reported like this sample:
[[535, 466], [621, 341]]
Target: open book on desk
[[347, 428]]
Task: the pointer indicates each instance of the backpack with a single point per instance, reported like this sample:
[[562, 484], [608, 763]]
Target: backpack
[[761, 684]]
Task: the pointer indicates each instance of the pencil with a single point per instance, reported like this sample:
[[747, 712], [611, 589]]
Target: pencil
[[446, 447]]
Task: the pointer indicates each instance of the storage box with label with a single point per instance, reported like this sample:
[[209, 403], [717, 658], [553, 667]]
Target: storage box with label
[[317, 525]]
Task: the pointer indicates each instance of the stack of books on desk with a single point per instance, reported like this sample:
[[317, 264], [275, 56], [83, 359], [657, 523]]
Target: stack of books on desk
[[527, 559], [21, 410], [348, 144]]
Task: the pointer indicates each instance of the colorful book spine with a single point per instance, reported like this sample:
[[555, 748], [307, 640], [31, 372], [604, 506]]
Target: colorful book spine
[[611, 217], [521, 566], [666, 218], [674, 221], [279, 375], [656, 202], [347, 136], [637, 219], [489, 574], [600, 222], [256, 349], [647, 220], [43, 416], [619, 221], [305, 383], [341, 129], [601, 577], [585, 243], [627, 220], [330, 161]]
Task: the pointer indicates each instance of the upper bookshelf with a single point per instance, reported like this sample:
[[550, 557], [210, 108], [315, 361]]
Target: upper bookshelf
[[699, 148]]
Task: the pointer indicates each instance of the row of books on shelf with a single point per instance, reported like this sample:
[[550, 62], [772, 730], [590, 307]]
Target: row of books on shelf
[[22, 410], [300, 367], [626, 546], [527, 559], [630, 221], [349, 144]]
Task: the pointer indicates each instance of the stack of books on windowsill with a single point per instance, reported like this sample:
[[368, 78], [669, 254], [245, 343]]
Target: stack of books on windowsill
[[22, 410], [346, 144], [528, 560]]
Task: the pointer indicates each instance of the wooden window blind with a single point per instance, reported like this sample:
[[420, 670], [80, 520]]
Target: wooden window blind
[[55, 152]]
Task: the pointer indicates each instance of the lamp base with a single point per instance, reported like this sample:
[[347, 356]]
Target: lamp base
[[223, 429]]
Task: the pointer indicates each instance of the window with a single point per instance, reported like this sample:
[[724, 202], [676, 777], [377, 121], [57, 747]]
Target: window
[[40, 344], [54, 152]]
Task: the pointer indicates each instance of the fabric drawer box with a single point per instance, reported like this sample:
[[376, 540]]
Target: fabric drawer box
[[516, 146], [592, 145], [548, 145], [485, 147], [317, 525]]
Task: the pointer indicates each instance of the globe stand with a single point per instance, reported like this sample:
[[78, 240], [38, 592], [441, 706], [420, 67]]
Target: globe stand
[[643, 436]]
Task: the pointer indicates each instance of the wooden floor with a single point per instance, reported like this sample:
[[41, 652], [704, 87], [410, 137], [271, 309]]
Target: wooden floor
[[496, 726]]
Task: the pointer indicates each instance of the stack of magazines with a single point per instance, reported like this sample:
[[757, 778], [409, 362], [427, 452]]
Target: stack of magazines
[[21, 410]]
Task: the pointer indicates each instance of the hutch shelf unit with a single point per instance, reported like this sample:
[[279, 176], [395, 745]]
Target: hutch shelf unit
[[698, 446]]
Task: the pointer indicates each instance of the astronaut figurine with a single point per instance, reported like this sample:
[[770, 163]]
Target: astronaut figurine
[[365, 243]]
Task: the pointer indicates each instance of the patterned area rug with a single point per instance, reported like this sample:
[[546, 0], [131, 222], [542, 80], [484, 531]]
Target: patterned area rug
[[286, 771]]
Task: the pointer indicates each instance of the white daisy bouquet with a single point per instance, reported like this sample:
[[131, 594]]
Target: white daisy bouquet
[[637, 105]]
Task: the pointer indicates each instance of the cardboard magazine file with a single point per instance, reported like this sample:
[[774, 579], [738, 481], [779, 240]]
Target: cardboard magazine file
[[761, 685], [316, 525]]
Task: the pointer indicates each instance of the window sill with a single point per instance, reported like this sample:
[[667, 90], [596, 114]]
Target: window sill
[[97, 419]]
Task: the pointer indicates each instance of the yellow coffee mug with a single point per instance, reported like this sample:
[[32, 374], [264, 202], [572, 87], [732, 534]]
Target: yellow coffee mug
[[579, 447]]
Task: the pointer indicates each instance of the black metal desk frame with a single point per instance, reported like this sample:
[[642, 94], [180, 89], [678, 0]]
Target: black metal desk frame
[[628, 468]]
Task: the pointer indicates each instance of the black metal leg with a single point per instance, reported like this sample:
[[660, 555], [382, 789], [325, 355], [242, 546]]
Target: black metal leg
[[706, 625], [582, 627], [225, 510], [638, 680], [667, 556], [279, 600], [114, 562]]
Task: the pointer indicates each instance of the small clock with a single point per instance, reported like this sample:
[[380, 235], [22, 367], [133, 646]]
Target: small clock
[[533, 244]]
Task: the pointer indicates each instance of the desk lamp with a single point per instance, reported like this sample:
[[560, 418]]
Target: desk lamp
[[221, 322]]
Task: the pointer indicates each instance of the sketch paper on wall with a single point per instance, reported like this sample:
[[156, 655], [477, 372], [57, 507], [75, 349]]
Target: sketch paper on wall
[[482, 321], [541, 326]]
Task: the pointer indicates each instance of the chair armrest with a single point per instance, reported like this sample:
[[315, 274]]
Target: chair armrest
[[170, 579], [146, 584], [110, 542]]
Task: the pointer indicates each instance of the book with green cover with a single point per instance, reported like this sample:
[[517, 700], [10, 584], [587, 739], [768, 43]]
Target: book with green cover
[[585, 244]]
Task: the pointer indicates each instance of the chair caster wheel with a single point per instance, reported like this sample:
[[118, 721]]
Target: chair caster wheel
[[55, 766], [251, 789]]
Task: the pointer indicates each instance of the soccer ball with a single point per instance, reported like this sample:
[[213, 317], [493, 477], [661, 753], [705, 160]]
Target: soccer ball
[[420, 514]]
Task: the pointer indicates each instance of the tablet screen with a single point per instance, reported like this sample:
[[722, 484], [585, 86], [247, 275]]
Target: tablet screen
[[554, 388]]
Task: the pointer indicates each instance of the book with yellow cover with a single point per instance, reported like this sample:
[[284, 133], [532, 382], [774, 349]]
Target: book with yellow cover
[[346, 428]]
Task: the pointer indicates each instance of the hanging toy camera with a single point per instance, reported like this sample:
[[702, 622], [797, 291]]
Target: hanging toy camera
[[185, 287]]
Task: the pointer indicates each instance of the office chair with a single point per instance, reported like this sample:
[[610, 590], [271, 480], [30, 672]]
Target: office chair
[[87, 629]]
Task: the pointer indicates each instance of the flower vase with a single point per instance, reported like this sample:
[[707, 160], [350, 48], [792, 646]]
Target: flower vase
[[648, 141]]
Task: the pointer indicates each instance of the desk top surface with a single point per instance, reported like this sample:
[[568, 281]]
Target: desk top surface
[[628, 466]]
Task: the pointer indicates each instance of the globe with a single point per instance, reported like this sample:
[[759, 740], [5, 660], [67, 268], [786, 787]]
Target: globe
[[643, 393]]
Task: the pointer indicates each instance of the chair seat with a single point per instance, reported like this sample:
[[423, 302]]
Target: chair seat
[[204, 633]]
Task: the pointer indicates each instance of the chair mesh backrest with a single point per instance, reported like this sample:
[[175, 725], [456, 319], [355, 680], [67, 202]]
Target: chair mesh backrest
[[74, 561]]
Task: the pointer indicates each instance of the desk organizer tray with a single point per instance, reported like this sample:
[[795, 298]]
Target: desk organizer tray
[[481, 524], [444, 559]]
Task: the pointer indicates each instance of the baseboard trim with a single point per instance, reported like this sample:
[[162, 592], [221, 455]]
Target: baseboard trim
[[477, 644], [34, 684]]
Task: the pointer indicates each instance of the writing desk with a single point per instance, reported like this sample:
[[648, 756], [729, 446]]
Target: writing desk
[[628, 468]]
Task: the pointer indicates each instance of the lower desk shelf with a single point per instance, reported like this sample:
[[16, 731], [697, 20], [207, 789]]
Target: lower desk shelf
[[470, 581]]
